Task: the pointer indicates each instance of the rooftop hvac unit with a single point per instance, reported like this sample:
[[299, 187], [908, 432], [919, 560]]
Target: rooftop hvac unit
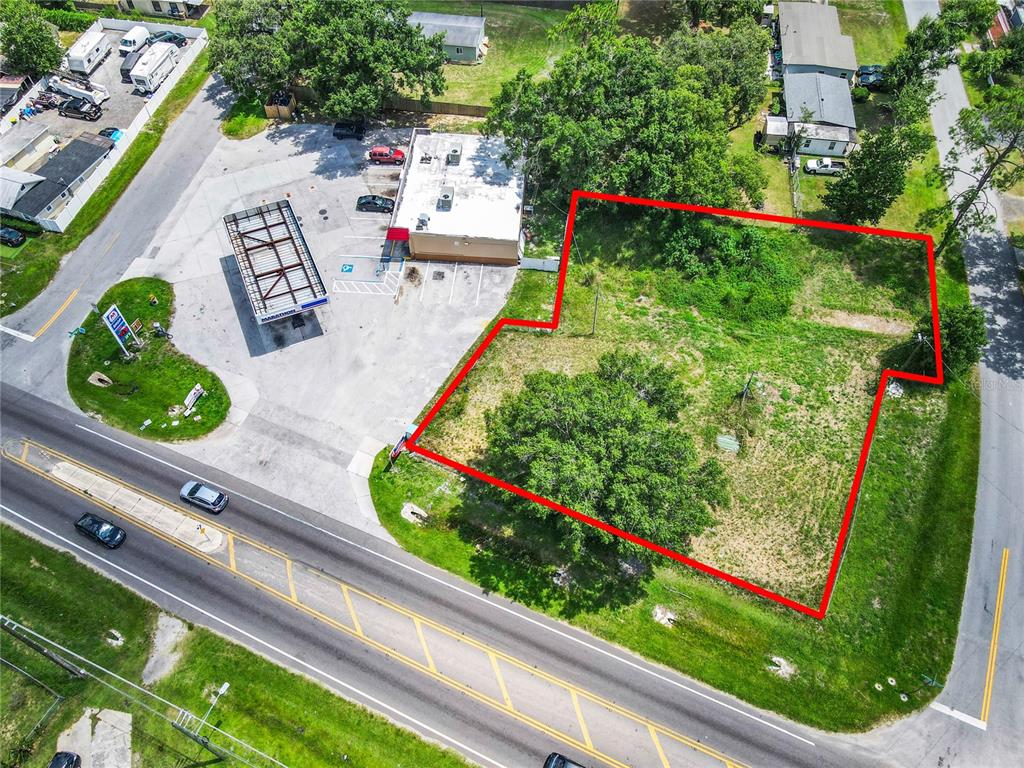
[[445, 198], [454, 154], [421, 221]]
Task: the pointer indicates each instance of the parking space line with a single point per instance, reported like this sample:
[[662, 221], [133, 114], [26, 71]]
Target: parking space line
[[55, 315], [451, 293], [993, 649], [358, 631], [501, 681], [423, 642], [661, 751], [352, 610], [423, 287], [479, 285], [579, 716]]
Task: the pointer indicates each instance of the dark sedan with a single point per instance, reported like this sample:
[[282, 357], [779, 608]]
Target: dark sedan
[[168, 37], [873, 82], [870, 69], [556, 760], [103, 531], [349, 129], [65, 760], [80, 108], [11, 237], [375, 203]]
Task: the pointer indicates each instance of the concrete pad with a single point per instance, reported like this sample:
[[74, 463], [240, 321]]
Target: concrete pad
[[78, 738], [112, 740], [101, 488], [147, 510], [164, 653]]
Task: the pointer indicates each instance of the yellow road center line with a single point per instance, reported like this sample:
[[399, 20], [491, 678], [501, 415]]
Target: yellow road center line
[[501, 680], [423, 642], [231, 552], [657, 746], [993, 649], [579, 716], [358, 631], [352, 610], [55, 315], [291, 581]]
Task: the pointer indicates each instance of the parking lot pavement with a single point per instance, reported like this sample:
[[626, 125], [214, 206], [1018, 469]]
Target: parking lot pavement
[[304, 400], [118, 111]]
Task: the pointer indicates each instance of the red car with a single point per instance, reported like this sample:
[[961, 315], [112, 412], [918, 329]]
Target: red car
[[382, 154]]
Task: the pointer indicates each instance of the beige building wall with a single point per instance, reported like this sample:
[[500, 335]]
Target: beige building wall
[[431, 245]]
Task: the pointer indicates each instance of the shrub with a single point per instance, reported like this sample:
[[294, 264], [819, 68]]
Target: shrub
[[69, 21], [860, 94]]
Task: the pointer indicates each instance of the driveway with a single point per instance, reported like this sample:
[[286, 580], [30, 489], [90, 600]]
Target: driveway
[[310, 403]]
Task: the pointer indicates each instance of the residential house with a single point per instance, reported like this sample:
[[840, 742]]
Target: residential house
[[464, 39], [812, 41], [819, 109], [181, 9]]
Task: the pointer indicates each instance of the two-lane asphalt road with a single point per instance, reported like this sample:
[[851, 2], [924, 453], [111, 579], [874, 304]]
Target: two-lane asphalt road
[[263, 572]]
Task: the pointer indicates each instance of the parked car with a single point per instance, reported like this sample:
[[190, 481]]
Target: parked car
[[556, 760], [375, 203], [825, 167], [114, 134], [870, 69], [103, 531], [65, 760], [79, 108], [11, 237], [350, 129], [202, 495], [385, 154], [873, 82], [174, 38]]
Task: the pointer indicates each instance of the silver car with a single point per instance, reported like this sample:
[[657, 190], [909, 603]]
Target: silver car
[[210, 499]]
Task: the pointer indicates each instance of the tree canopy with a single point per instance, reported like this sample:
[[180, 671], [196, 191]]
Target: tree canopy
[[354, 54], [29, 43], [614, 117], [733, 60], [606, 444], [962, 332]]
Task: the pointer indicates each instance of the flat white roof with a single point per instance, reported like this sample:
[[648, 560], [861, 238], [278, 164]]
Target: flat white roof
[[487, 197]]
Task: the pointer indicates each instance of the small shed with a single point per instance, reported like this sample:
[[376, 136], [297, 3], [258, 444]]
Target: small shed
[[464, 40], [776, 130]]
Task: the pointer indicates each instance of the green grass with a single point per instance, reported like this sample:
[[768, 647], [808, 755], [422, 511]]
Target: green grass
[[39, 260], [155, 380], [877, 27], [778, 198], [245, 119], [518, 40], [285, 715]]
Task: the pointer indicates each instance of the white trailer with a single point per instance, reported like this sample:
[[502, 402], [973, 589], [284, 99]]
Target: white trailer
[[154, 66], [87, 52], [80, 88]]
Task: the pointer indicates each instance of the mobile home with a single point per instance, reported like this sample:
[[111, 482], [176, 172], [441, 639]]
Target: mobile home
[[87, 52], [154, 66]]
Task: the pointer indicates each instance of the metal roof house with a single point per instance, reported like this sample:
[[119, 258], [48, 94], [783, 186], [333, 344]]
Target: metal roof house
[[813, 42], [814, 98], [464, 40], [58, 178]]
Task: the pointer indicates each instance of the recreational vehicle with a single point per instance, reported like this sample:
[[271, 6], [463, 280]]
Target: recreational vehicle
[[87, 52], [154, 67]]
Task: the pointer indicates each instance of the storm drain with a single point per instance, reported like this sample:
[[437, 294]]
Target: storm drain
[[438, 275]]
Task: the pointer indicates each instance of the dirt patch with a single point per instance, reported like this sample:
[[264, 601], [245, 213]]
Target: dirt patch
[[869, 323], [164, 653]]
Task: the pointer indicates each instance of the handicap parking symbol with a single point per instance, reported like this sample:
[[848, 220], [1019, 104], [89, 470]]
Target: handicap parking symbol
[[346, 268]]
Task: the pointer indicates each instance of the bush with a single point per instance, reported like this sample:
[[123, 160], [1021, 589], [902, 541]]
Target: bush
[[69, 21], [860, 94], [25, 227]]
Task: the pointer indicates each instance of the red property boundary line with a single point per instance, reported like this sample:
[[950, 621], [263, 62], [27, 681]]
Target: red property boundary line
[[887, 374]]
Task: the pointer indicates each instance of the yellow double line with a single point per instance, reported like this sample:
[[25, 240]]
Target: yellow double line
[[993, 649], [356, 630]]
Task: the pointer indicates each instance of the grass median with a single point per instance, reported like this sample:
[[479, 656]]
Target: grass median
[[26, 274], [154, 383], [285, 715]]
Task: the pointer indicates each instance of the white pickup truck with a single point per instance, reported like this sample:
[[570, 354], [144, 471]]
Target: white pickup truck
[[826, 167]]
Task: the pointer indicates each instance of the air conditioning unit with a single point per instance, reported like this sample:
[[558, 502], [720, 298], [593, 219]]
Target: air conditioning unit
[[454, 155], [421, 221], [445, 198]]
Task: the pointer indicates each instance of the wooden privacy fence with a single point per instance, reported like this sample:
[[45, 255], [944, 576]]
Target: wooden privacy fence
[[438, 107]]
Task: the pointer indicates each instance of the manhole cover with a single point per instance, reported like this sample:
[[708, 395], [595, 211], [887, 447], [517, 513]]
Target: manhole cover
[[322, 211], [438, 275], [325, 218]]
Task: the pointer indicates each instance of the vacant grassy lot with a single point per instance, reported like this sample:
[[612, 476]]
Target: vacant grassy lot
[[245, 119], [876, 26], [518, 40], [288, 716], [155, 381], [24, 278], [815, 372]]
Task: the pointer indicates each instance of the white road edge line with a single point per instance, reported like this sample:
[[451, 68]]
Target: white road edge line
[[467, 593], [254, 638], [17, 334], [981, 724]]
